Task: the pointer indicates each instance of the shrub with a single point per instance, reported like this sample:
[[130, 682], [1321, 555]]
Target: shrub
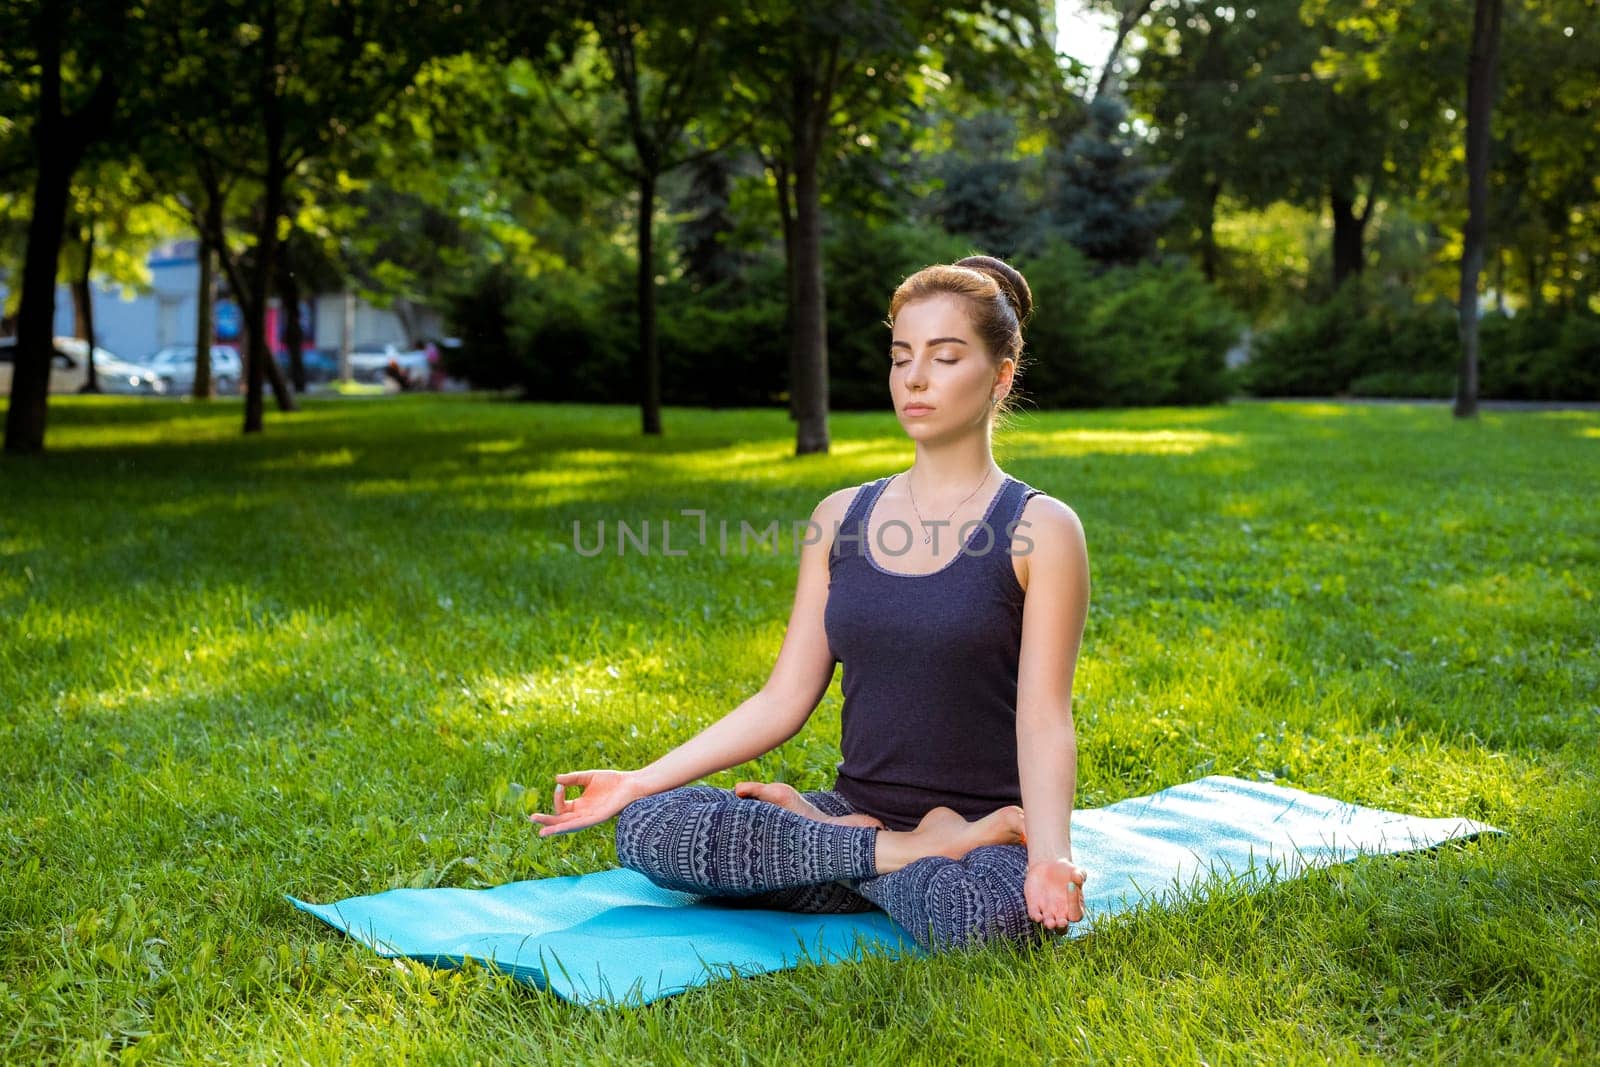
[[563, 335], [725, 345], [1540, 356], [1362, 346], [864, 267], [1151, 334]]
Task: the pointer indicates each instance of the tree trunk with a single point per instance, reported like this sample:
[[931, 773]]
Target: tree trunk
[[1348, 236], [1480, 103], [30, 380], [293, 336], [261, 366], [1208, 231], [205, 300], [1132, 11], [1500, 280], [347, 334], [83, 296], [647, 372], [59, 143], [780, 173], [810, 335]]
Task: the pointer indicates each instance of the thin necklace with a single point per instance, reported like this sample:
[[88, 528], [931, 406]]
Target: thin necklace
[[926, 536]]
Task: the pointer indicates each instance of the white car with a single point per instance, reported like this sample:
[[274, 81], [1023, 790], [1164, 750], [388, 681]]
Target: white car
[[174, 365], [69, 369], [368, 360]]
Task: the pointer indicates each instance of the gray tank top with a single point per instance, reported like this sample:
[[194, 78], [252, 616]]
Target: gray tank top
[[930, 664]]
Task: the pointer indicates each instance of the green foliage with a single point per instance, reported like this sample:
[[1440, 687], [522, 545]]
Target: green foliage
[[563, 335], [1151, 334], [981, 191], [1319, 349], [724, 345], [1102, 191], [1540, 356], [864, 267], [1360, 344]]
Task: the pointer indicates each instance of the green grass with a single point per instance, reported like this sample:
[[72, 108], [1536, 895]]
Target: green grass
[[326, 661]]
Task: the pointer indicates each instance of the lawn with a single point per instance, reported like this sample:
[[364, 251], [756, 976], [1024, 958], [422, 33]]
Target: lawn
[[331, 659]]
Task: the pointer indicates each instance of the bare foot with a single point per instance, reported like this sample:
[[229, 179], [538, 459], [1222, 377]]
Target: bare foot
[[787, 796], [943, 832]]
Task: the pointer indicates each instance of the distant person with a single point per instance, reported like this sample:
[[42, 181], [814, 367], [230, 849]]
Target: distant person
[[399, 375], [436, 375], [958, 668]]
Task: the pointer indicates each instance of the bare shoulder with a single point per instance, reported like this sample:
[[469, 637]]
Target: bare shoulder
[[1050, 534], [830, 512]]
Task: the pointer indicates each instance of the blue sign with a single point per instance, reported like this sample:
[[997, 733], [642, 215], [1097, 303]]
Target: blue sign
[[226, 315]]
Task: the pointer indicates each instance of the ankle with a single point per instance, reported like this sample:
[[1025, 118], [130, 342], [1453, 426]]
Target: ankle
[[892, 850]]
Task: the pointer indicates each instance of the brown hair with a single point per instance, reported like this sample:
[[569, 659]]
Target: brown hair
[[997, 297]]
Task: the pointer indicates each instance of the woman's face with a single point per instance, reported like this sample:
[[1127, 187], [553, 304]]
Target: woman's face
[[940, 375]]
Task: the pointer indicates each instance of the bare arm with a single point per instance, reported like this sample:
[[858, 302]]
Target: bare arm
[[799, 678], [1053, 619], [758, 725]]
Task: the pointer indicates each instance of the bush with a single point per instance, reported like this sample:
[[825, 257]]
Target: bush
[[563, 335], [1406, 383], [1152, 334], [725, 345], [864, 266], [1359, 345], [1156, 333], [1318, 350], [1540, 356]]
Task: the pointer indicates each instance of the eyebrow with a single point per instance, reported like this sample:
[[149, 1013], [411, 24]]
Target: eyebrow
[[935, 341]]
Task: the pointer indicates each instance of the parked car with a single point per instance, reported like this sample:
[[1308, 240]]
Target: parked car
[[69, 369], [321, 365], [174, 365], [369, 359]]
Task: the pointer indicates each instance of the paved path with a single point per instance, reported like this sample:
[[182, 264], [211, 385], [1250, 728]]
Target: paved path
[[1484, 405]]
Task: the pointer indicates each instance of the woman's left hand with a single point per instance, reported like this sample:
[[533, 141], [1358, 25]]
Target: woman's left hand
[[1053, 890]]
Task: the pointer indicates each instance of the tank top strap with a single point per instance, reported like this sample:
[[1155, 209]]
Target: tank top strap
[[1022, 492], [1005, 522], [862, 502], [855, 515]]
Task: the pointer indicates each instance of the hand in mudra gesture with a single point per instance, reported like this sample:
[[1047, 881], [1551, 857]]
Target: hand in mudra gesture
[[1053, 890], [604, 794]]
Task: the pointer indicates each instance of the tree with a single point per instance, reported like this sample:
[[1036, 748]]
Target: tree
[[1480, 104], [824, 78], [83, 52], [664, 65], [275, 84], [983, 190], [1101, 201], [1208, 86]]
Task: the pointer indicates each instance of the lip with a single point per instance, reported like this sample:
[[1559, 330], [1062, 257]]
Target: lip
[[915, 409]]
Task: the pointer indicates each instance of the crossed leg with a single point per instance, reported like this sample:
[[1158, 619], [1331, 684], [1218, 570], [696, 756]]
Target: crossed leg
[[749, 852]]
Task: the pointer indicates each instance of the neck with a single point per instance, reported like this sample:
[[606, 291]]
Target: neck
[[950, 471]]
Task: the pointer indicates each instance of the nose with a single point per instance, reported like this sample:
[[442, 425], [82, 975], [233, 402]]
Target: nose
[[916, 374]]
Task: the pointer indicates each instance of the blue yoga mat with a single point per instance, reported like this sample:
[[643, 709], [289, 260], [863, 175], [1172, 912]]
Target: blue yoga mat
[[614, 937]]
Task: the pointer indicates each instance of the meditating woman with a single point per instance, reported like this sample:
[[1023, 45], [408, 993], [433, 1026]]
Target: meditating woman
[[955, 596]]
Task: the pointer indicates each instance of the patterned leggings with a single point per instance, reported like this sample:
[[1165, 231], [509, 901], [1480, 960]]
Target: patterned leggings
[[750, 853]]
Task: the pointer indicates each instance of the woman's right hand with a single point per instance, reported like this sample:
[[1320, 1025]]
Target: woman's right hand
[[604, 794]]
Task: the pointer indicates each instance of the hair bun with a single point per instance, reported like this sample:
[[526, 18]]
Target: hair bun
[[1013, 286]]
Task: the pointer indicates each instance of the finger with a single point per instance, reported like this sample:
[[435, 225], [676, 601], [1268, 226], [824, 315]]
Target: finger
[[561, 801], [579, 778]]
